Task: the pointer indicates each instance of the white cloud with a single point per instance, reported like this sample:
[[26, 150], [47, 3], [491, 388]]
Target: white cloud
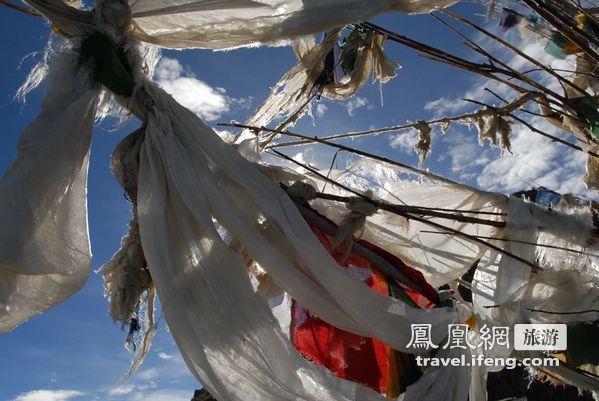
[[164, 395], [48, 395], [164, 355], [405, 141], [207, 102], [444, 106], [300, 158], [321, 109], [148, 374], [149, 385], [466, 155], [357, 103], [242, 103], [121, 390], [535, 161]]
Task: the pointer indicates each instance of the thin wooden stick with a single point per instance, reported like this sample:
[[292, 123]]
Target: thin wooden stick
[[516, 74], [349, 149], [525, 243], [425, 211], [557, 21], [519, 102], [486, 70], [564, 313]]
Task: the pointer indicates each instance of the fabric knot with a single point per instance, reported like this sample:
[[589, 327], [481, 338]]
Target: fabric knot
[[113, 15], [353, 223], [302, 190], [361, 206]]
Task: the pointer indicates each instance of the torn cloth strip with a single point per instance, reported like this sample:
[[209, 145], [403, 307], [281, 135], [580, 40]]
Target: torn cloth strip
[[291, 96]]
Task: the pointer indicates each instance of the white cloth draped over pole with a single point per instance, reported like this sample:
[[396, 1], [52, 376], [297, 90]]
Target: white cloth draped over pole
[[225, 24], [563, 244]]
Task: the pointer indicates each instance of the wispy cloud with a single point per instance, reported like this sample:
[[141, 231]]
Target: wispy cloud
[[165, 356], [405, 141], [535, 162], [121, 390], [49, 395], [163, 395], [445, 106], [321, 109], [148, 374], [204, 100], [357, 103]]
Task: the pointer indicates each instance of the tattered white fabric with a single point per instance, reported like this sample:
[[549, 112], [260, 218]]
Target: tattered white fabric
[[291, 97], [557, 296], [44, 245], [125, 275], [563, 243], [371, 58], [441, 258], [591, 176], [506, 292], [225, 24], [260, 216], [352, 224], [184, 187], [189, 180], [249, 197]]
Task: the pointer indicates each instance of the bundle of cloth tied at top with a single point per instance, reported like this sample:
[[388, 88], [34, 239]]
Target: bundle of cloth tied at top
[[202, 213]]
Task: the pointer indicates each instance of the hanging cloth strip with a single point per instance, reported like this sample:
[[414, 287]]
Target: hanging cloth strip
[[44, 244], [352, 224]]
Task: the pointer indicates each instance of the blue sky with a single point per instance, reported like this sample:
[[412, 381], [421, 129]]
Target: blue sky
[[74, 351]]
